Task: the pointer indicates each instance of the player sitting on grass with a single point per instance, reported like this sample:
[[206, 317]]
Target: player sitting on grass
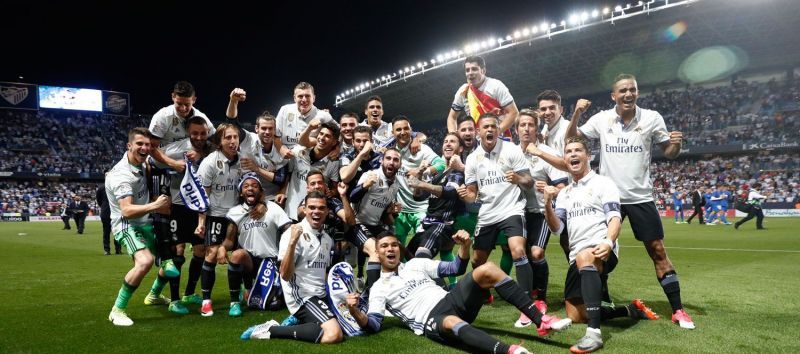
[[410, 293]]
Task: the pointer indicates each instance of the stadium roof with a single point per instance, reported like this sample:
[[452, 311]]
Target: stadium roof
[[730, 36]]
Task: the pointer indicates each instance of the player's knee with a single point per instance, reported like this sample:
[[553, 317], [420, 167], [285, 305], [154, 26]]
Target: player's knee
[[584, 258], [656, 250], [487, 274], [331, 332], [238, 256], [198, 251], [537, 253]]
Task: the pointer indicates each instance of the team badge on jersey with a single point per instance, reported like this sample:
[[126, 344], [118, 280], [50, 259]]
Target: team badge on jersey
[[219, 164], [306, 236], [290, 117], [175, 121]]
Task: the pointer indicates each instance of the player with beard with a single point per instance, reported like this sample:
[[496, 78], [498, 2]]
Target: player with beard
[[305, 255], [375, 198], [409, 292], [538, 235], [627, 134], [219, 173], [341, 216], [252, 240], [362, 158], [128, 197]]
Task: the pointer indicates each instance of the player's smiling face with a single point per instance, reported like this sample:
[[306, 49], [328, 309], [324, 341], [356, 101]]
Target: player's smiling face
[[230, 142], [316, 182], [325, 139], [388, 248], [138, 149], [488, 132], [577, 159], [359, 140], [550, 111], [250, 189], [466, 131], [347, 124], [265, 130], [526, 128], [450, 146], [402, 132], [183, 105], [316, 209], [374, 113], [391, 163], [304, 99], [625, 94], [198, 134], [475, 75]]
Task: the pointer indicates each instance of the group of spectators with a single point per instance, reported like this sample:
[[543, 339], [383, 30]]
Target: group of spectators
[[40, 198]]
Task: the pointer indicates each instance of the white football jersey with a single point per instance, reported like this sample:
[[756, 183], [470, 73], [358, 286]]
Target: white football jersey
[[289, 123], [555, 136], [311, 259], [382, 135], [168, 126], [409, 162], [492, 87], [499, 199], [122, 181], [252, 148], [409, 295], [370, 209], [299, 166], [221, 176], [541, 171], [259, 237], [175, 151]]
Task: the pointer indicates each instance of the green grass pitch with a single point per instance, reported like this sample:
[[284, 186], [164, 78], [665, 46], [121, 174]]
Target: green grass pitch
[[739, 286]]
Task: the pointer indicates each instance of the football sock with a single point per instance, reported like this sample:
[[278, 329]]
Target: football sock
[[447, 256], [672, 288], [158, 285], [604, 286], [541, 274], [307, 332], [362, 259], [125, 293], [207, 279], [195, 269], [175, 283], [524, 274], [607, 313], [373, 273], [590, 290], [506, 261], [513, 294], [478, 339], [235, 280]]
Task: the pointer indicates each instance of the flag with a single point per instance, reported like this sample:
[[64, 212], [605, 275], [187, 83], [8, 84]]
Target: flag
[[192, 192], [340, 283], [479, 103]]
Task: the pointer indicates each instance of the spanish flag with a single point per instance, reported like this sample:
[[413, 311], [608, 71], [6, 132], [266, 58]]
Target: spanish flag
[[479, 103]]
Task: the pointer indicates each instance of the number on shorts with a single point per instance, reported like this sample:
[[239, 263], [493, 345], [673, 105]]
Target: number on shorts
[[216, 228], [173, 226]]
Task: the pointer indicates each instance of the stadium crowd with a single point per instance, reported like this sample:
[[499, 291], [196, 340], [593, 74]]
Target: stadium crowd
[[42, 198]]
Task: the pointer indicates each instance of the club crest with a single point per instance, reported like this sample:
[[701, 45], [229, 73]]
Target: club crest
[[14, 95]]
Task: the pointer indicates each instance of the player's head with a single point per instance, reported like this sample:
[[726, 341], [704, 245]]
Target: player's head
[[226, 139], [401, 129], [475, 69], [391, 162], [527, 126], [576, 155], [316, 209], [549, 105], [328, 135], [197, 129], [348, 122], [625, 92], [265, 128], [138, 145], [488, 125], [183, 98], [304, 97], [315, 181], [389, 249], [374, 110], [361, 135], [466, 129], [451, 145], [250, 191]]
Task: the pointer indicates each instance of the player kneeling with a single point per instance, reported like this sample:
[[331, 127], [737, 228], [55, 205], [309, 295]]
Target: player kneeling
[[257, 240], [410, 293]]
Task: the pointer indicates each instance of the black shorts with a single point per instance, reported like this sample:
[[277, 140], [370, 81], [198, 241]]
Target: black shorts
[[183, 222], [486, 236], [361, 233], [433, 236], [537, 230], [645, 221], [572, 284], [314, 310], [216, 228], [463, 301]]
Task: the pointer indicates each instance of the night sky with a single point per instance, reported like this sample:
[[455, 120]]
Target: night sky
[[144, 49]]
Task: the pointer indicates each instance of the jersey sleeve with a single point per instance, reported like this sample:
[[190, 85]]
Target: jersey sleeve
[[159, 124], [660, 133], [459, 100], [377, 299], [121, 189], [470, 171], [502, 95], [206, 172], [591, 129], [284, 245], [175, 150], [280, 216], [610, 199], [280, 121]]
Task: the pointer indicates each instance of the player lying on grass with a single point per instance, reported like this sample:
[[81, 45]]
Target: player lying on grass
[[410, 293]]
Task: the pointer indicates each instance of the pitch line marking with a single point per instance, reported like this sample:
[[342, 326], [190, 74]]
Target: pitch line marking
[[722, 249]]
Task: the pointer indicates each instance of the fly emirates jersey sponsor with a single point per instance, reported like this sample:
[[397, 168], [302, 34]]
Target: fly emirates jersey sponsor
[[311, 258], [378, 197], [259, 236], [499, 199]]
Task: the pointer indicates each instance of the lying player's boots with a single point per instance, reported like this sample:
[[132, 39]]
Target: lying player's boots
[[683, 319], [289, 321], [119, 317], [518, 349], [552, 322], [170, 270], [236, 309], [643, 312], [589, 343], [193, 299], [153, 299], [523, 321], [541, 305], [258, 331], [207, 309], [178, 308]]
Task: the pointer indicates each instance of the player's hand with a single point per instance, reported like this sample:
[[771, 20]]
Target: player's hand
[[352, 301], [602, 251], [512, 177], [534, 150], [238, 95], [462, 191], [286, 153], [178, 165], [455, 163], [222, 255], [461, 237], [415, 145], [193, 156], [539, 185], [675, 137], [280, 199], [395, 208], [313, 124], [249, 164], [258, 211], [334, 154], [200, 231], [297, 230], [582, 105], [413, 182], [550, 192], [162, 202], [341, 187], [364, 153], [372, 178]]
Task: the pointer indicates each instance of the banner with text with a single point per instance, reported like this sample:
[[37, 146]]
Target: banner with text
[[116, 103]]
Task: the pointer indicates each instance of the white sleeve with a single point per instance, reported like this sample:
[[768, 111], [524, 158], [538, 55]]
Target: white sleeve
[[502, 95], [280, 121], [591, 129], [122, 189], [660, 133], [470, 176], [175, 150], [430, 267], [459, 100], [377, 299], [609, 197], [206, 172], [284, 245], [159, 124]]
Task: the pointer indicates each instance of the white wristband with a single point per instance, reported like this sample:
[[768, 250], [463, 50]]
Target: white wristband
[[608, 242]]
